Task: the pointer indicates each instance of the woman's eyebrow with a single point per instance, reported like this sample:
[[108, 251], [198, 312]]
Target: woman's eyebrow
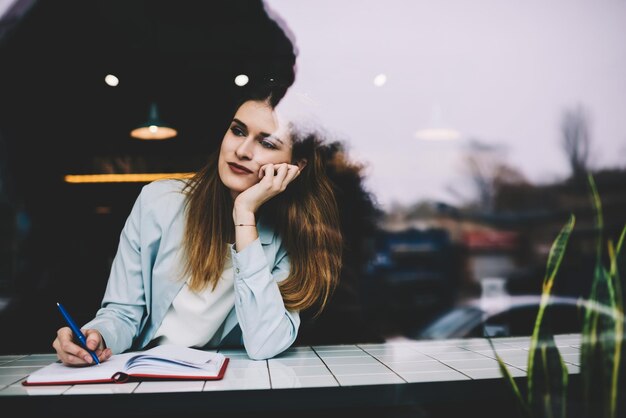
[[263, 134], [240, 123]]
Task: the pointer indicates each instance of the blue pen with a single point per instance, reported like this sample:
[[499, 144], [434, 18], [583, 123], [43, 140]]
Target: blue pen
[[77, 332]]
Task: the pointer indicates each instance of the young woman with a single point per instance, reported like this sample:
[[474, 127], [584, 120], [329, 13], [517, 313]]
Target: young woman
[[228, 257]]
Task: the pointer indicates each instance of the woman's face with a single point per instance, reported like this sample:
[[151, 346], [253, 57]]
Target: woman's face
[[254, 139]]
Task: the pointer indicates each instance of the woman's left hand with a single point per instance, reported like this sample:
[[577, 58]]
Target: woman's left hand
[[274, 180]]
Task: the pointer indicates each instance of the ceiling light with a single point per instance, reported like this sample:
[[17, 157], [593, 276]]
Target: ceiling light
[[241, 80], [111, 80], [437, 129], [153, 128], [438, 134], [380, 80]]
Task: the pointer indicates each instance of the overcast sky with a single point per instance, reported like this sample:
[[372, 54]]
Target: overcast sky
[[496, 71]]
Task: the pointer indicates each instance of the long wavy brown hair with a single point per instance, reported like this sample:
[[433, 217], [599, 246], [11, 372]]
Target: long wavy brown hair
[[305, 215]]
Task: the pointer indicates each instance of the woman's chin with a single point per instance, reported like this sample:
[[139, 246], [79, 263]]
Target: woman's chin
[[236, 187]]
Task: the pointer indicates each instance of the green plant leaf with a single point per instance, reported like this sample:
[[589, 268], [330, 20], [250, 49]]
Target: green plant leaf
[[590, 358], [550, 380], [603, 327], [522, 408], [602, 337], [614, 348], [542, 340]]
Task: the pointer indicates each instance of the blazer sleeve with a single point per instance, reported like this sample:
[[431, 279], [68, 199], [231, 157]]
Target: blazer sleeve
[[267, 327], [124, 302]]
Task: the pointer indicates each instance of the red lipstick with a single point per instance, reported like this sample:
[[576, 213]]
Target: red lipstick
[[239, 169]]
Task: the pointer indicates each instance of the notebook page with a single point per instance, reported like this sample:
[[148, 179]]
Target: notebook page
[[175, 360], [58, 372]]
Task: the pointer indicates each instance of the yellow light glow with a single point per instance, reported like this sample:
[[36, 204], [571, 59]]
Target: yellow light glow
[[123, 178], [154, 132]]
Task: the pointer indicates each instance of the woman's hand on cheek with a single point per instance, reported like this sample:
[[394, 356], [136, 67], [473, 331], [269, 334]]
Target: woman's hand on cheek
[[274, 179]]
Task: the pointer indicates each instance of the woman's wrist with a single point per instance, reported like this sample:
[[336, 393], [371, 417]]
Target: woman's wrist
[[244, 217], [245, 231]]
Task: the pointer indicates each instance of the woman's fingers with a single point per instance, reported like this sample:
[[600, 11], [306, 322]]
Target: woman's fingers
[[73, 354], [292, 173], [276, 177], [67, 351], [94, 339], [263, 170], [284, 178], [267, 172], [279, 178], [105, 354]]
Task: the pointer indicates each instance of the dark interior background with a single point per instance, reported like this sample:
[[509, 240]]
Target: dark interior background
[[402, 268], [58, 117]]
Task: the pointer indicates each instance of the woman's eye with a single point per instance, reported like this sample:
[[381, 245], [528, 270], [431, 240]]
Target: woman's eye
[[237, 131], [267, 144]]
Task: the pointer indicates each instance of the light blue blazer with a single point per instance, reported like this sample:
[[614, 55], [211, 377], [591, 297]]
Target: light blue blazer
[[145, 279]]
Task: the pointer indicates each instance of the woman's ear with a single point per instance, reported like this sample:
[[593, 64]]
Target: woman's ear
[[301, 163]]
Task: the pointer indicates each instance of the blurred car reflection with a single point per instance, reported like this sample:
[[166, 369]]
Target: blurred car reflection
[[508, 316]]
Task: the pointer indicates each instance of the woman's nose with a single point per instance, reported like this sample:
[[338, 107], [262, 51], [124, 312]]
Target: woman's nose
[[244, 150]]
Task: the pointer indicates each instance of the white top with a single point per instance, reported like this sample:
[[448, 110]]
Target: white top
[[193, 318], [144, 281]]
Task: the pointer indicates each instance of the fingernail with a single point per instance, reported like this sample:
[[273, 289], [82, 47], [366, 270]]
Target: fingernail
[[87, 359]]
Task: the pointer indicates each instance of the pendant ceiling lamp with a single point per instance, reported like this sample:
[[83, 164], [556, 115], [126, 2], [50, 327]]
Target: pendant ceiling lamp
[[153, 128], [437, 129]]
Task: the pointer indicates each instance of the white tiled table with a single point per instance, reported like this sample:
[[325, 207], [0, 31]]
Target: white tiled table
[[334, 375]]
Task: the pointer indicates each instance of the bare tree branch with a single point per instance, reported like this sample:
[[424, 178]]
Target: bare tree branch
[[576, 140]]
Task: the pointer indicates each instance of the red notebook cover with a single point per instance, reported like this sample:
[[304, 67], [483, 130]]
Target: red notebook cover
[[121, 377], [160, 363]]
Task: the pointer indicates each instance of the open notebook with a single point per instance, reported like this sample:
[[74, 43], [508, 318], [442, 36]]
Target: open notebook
[[163, 362]]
